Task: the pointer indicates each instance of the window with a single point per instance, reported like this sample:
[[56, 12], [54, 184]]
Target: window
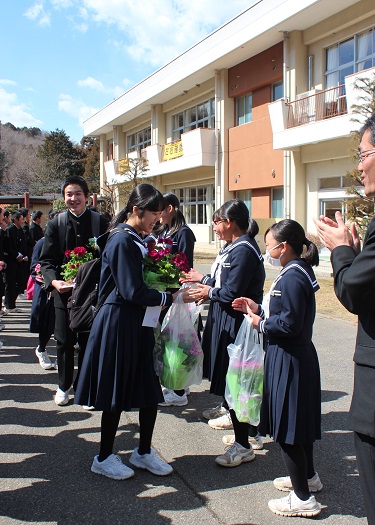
[[328, 207], [347, 57], [332, 183], [199, 116], [244, 109], [277, 90], [139, 140], [278, 202], [197, 203], [245, 196]]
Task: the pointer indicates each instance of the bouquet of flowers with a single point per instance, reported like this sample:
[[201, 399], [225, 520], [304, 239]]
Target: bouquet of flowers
[[76, 257], [178, 352], [162, 269], [38, 274], [244, 380]]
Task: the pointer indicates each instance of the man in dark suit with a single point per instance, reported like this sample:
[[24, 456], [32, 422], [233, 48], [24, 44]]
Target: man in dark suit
[[354, 280], [15, 257], [65, 232], [36, 231]]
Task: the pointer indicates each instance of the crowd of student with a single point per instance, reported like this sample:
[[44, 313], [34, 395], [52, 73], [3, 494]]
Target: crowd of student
[[115, 362]]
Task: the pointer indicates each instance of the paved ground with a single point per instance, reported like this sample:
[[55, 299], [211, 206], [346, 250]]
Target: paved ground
[[46, 451]]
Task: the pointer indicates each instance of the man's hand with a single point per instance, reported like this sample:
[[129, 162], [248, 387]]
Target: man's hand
[[61, 286], [333, 234]]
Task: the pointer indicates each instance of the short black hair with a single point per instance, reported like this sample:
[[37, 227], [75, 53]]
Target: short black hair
[[6, 213], [16, 215], [24, 211], [76, 179], [369, 125], [36, 214]]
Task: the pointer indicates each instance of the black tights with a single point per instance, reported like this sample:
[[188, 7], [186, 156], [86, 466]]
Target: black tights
[[43, 341], [242, 431], [110, 422], [299, 463]]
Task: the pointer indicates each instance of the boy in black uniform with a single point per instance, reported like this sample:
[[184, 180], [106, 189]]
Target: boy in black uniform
[[79, 224]]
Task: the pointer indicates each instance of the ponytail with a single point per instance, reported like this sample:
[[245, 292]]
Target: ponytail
[[311, 255]]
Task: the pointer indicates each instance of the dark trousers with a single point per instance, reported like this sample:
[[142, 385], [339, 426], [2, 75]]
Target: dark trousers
[[11, 286], [65, 341], [365, 451]]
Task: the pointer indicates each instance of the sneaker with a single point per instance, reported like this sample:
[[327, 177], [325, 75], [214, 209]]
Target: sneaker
[[151, 462], [112, 467], [88, 407], [221, 423], [235, 455], [213, 413], [291, 505], [256, 442], [14, 310], [61, 397], [285, 484], [3, 312], [44, 360], [22, 297], [173, 399]]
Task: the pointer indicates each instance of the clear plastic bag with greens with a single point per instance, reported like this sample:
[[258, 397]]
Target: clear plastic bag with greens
[[178, 352], [244, 380]]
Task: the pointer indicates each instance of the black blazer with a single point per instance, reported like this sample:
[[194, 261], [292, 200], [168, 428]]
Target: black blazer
[[355, 288]]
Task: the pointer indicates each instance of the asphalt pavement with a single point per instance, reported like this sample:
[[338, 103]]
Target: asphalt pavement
[[46, 451]]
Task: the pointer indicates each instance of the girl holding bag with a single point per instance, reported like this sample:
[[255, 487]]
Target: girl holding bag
[[238, 267], [290, 411]]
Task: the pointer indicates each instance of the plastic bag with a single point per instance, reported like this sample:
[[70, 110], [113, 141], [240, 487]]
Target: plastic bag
[[178, 352], [244, 380]]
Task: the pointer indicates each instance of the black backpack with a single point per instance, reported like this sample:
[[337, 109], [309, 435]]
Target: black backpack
[[84, 303]]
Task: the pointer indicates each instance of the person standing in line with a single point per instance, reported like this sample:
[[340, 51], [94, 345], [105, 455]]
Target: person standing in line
[[355, 288], [2, 270], [291, 406], [29, 251], [36, 231], [15, 258], [118, 368], [75, 228], [172, 225], [238, 267]]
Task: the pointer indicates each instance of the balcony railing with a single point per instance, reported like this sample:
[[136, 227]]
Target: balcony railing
[[319, 105]]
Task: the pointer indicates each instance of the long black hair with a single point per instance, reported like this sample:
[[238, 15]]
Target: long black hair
[[236, 210], [291, 231], [178, 219], [145, 197]]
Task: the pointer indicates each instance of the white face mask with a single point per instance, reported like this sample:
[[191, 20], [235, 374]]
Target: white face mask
[[271, 260]]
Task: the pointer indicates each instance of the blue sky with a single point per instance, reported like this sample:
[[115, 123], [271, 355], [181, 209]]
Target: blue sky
[[62, 60]]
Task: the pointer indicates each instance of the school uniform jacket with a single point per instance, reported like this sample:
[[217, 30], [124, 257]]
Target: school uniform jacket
[[354, 279]]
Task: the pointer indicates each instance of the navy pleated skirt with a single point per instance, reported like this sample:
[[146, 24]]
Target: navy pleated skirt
[[118, 367]]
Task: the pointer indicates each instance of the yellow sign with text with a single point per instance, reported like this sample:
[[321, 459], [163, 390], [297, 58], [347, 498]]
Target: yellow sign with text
[[173, 151]]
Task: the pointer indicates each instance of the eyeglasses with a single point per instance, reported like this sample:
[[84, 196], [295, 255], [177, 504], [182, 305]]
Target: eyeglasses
[[362, 155], [218, 221]]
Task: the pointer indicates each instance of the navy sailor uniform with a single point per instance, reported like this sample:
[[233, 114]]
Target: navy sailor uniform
[[118, 368], [291, 407], [238, 271]]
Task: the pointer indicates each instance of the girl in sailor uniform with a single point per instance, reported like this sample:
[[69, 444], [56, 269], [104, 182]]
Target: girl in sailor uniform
[[291, 411], [238, 267], [118, 371]]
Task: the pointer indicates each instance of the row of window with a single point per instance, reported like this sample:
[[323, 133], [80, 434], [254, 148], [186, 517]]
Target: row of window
[[345, 58]]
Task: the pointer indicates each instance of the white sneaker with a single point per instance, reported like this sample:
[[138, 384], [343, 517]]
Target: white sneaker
[[22, 297], [112, 467], [256, 442], [221, 423], [61, 397], [151, 462], [213, 413], [88, 407], [13, 310], [173, 399], [285, 484], [291, 505], [235, 455], [44, 360]]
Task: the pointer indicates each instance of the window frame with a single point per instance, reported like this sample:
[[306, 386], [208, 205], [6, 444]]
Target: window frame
[[184, 120]]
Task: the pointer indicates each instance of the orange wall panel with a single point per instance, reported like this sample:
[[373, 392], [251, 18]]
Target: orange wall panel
[[261, 203]]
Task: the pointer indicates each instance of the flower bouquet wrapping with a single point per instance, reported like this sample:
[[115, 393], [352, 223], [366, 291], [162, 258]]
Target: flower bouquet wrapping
[[178, 352], [38, 274], [75, 258], [162, 269], [244, 380]]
